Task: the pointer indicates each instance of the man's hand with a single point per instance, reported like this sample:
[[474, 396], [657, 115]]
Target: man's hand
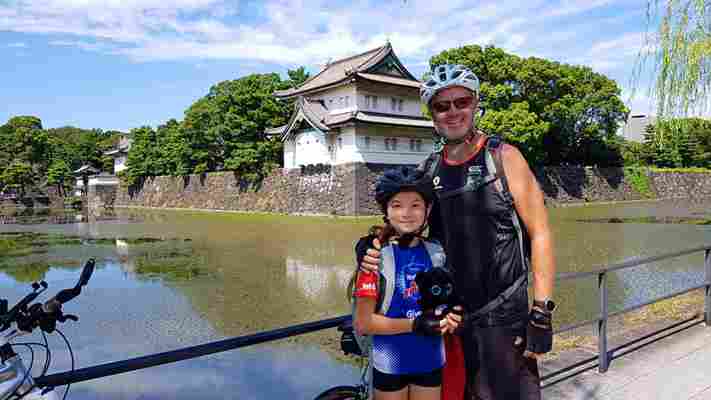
[[453, 319], [539, 333], [371, 260]]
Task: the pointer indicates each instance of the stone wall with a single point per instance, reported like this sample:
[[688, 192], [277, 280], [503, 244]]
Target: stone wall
[[574, 184], [676, 185], [326, 191], [348, 189]]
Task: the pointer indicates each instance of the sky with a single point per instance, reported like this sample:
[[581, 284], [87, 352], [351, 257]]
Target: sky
[[122, 64]]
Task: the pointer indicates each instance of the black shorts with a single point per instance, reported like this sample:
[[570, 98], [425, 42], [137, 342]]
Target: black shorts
[[393, 383], [496, 368]]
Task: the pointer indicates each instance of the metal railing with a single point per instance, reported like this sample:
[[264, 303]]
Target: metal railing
[[604, 356]]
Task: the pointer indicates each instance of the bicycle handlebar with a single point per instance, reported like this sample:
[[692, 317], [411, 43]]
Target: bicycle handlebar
[[45, 315]]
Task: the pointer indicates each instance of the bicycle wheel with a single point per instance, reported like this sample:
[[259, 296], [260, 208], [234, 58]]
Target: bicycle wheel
[[340, 393]]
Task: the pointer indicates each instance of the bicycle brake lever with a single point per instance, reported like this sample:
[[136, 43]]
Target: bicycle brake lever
[[64, 317]]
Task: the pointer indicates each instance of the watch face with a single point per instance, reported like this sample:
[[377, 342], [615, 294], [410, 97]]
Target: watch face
[[550, 305], [547, 305]]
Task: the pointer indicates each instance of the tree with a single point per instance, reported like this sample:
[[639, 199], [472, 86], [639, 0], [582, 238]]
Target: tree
[[143, 158], [232, 114], [518, 126], [60, 175], [571, 107], [296, 77], [679, 143], [680, 50], [18, 176]]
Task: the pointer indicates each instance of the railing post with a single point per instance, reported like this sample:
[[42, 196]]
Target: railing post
[[707, 301], [603, 361]]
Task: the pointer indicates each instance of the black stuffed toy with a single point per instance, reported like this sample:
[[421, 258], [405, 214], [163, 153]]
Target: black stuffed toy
[[436, 287]]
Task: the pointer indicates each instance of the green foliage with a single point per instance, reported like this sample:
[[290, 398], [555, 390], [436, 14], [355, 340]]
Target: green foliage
[[255, 160], [633, 153], [574, 112], [518, 126], [233, 113], [59, 174], [18, 176], [31, 157], [678, 143], [639, 180], [681, 46], [223, 130]]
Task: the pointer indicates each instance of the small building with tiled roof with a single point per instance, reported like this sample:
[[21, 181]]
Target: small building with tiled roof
[[360, 109], [120, 153]]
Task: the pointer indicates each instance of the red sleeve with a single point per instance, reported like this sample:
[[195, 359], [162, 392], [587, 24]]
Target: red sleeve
[[367, 285]]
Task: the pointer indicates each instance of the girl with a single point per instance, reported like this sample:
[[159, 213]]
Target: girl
[[408, 351]]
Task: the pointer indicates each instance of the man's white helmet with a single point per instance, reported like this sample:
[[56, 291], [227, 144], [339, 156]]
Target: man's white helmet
[[445, 76]]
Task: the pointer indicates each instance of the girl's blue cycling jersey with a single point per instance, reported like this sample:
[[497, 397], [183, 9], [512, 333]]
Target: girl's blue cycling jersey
[[407, 353]]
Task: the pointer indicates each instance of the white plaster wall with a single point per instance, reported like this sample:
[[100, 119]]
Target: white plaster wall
[[348, 151], [377, 153], [335, 94], [311, 148], [120, 163], [289, 148], [410, 107]]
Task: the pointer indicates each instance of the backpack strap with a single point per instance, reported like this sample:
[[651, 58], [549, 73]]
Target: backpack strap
[[494, 163], [386, 284], [431, 164], [495, 166]]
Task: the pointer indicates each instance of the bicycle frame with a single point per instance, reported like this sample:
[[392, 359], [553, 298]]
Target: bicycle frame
[[15, 378]]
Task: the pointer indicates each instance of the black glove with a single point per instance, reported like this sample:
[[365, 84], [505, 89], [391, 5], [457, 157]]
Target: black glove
[[539, 332], [427, 324]]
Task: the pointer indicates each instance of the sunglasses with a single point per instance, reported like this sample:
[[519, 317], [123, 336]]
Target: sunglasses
[[446, 105]]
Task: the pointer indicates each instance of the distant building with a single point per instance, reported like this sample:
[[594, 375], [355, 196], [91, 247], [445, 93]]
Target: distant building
[[634, 128], [120, 153], [364, 108]]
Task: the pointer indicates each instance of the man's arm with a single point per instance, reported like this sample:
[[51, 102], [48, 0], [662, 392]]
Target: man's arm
[[528, 200]]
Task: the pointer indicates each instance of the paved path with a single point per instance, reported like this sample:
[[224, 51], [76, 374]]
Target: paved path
[[676, 368]]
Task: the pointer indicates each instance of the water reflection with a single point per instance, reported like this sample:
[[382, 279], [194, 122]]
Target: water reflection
[[239, 274], [317, 282]]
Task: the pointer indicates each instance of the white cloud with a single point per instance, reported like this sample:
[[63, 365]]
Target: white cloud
[[573, 7], [309, 32]]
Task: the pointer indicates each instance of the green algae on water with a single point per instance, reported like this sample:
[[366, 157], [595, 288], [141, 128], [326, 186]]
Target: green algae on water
[[173, 267]]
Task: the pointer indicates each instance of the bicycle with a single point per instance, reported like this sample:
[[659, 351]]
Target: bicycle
[[16, 381], [361, 391]]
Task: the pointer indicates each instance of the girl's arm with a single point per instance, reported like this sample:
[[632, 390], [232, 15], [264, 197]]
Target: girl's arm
[[367, 322]]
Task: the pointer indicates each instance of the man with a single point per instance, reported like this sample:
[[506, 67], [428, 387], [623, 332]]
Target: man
[[487, 211]]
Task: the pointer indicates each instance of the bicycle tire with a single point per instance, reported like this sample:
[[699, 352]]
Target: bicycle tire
[[340, 393]]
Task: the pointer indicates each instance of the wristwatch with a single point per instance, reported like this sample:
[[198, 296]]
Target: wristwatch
[[547, 305]]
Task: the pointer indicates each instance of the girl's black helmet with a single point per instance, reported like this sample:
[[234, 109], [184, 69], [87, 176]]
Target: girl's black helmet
[[402, 179]]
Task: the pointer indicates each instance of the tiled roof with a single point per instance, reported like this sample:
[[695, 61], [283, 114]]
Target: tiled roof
[[312, 111], [341, 71], [394, 120], [390, 79], [377, 118], [86, 169]]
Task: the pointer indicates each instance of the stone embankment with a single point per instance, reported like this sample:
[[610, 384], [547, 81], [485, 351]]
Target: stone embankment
[[347, 189]]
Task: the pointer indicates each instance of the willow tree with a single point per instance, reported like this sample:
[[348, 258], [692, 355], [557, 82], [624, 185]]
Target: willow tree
[[682, 55], [678, 43]]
